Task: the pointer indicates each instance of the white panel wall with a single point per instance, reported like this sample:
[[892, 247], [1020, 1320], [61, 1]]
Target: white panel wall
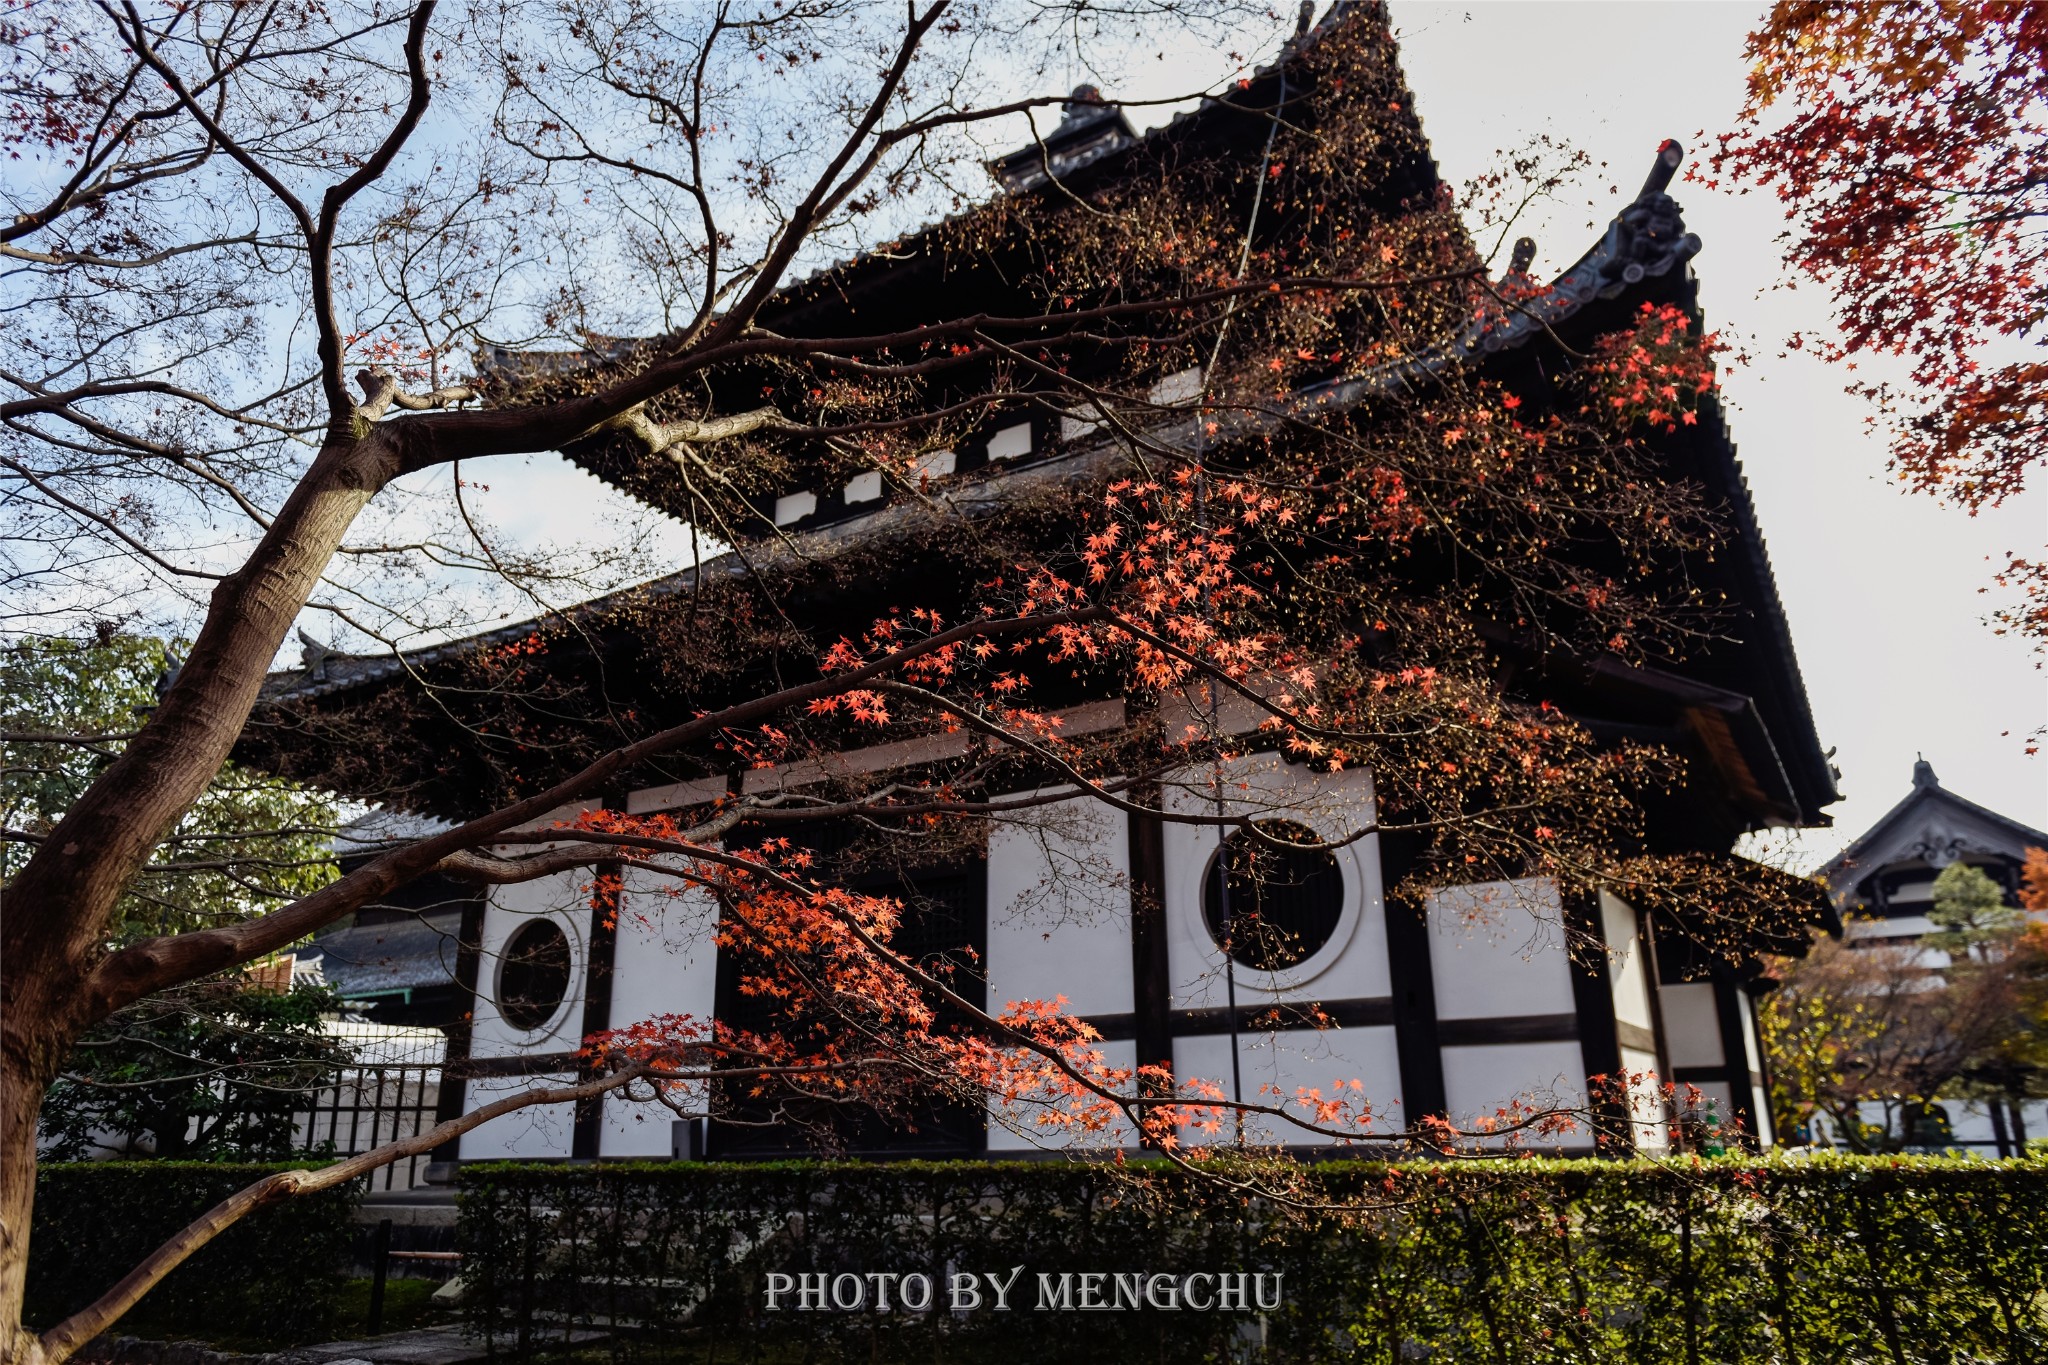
[[1498, 949], [1970, 1122], [1481, 1079], [1059, 924], [1721, 1095], [1648, 1113], [544, 1130], [1747, 1012], [1627, 970], [1353, 965], [1017, 1127], [1059, 908], [642, 1129], [565, 899], [1760, 1098], [1276, 1067], [665, 963], [1692, 1025]]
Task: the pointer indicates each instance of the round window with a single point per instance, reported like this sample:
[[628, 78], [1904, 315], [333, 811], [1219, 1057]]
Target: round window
[[533, 975], [1276, 907]]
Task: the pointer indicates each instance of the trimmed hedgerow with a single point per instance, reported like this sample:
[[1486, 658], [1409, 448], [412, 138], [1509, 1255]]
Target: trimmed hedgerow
[[1891, 1259], [274, 1277]]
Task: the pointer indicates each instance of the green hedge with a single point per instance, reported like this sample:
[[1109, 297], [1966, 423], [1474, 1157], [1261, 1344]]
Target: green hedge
[[275, 1277], [1888, 1260]]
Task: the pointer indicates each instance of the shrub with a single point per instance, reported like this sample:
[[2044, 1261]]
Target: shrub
[[275, 1277], [1894, 1260]]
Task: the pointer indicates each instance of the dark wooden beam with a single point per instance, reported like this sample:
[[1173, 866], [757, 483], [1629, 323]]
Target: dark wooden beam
[[1416, 1040], [1512, 1028], [1599, 1038], [602, 941], [451, 1101], [1151, 976], [1735, 1053], [1364, 1012]]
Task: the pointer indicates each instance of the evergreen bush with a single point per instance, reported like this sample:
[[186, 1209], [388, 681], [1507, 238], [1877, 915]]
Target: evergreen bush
[[1900, 1260], [273, 1278]]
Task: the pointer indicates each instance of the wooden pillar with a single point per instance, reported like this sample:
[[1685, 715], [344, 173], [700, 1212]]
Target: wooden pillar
[[1151, 975], [452, 1100], [1413, 979], [1599, 1039]]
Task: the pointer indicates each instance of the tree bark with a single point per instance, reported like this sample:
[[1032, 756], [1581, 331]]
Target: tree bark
[[60, 906], [19, 1102], [60, 903]]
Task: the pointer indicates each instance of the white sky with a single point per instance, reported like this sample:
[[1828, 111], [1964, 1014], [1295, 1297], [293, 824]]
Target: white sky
[[1882, 588]]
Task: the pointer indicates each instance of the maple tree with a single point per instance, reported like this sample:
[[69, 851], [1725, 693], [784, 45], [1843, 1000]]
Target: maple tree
[[1909, 145], [233, 207]]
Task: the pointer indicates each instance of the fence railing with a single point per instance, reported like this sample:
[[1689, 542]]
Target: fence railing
[[368, 1106]]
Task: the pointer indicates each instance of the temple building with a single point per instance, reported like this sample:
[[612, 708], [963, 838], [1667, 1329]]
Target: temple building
[[1886, 876], [1453, 1005], [1883, 887]]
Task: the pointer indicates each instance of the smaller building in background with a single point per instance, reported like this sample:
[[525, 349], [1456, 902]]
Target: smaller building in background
[[1883, 884], [398, 960], [405, 984], [1887, 876]]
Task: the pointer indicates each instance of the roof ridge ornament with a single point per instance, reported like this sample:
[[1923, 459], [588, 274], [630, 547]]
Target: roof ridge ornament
[[1091, 127], [1646, 239], [1669, 154], [1083, 105]]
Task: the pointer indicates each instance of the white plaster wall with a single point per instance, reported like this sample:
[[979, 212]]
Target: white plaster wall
[[642, 1129], [1752, 1045], [1498, 949], [544, 1130], [1970, 1121], [665, 963], [1353, 965], [1969, 1125], [1692, 1026], [1905, 926], [565, 899], [1627, 971], [1481, 1079], [1059, 908], [1767, 1131], [1017, 1128], [1720, 1094], [1746, 1009], [1276, 1067], [665, 960], [1647, 1111]]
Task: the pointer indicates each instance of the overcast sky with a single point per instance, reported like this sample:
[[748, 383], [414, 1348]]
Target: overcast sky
[[1882, 588]]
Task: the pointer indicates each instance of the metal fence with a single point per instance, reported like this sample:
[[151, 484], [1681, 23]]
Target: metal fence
[[393, 1091]]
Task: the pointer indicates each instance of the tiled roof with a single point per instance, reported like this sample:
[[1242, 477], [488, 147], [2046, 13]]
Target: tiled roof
[[383, 959]]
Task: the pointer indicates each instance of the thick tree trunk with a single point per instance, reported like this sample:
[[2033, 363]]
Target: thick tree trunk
[[54, 931], [58, 912], [20, 1098]]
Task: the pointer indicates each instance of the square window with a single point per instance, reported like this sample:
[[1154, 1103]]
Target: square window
[[1183, 386], [1010, 442], [935, 465]]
